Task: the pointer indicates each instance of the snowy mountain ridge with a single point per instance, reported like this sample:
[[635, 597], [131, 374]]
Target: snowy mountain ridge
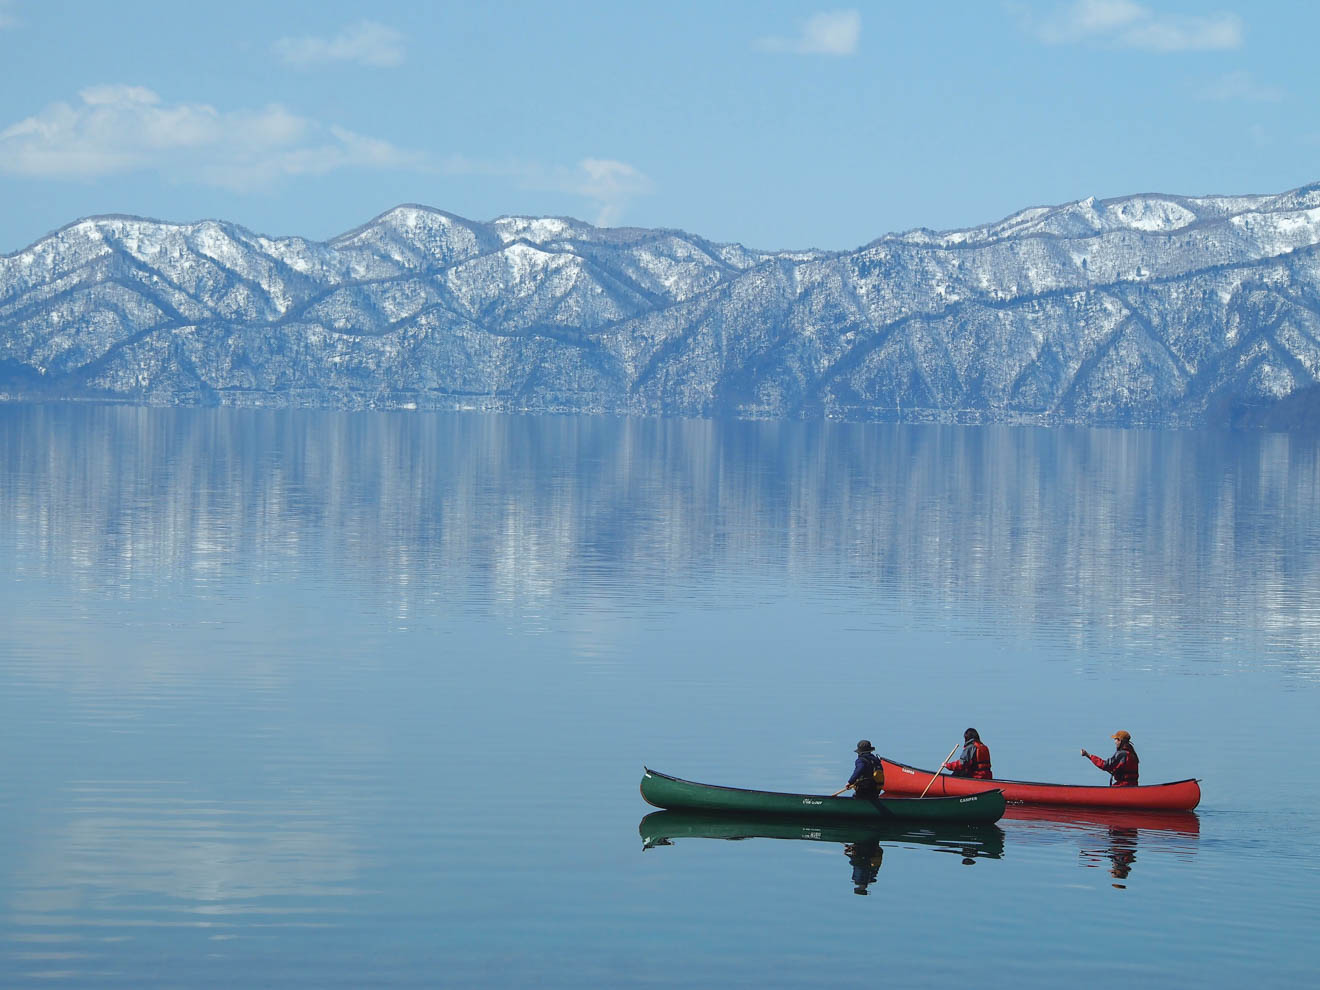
[[1144, 309]]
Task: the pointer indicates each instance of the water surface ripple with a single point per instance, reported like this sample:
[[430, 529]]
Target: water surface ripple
[[322, 699]]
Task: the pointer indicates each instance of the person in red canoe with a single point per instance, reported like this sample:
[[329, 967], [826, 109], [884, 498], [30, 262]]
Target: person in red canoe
[[1122, 766], [974, 760]]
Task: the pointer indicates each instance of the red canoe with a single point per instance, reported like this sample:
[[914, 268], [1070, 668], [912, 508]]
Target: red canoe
[[1180, 795]]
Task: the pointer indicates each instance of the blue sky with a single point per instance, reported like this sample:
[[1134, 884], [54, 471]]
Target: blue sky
[[775, 124]]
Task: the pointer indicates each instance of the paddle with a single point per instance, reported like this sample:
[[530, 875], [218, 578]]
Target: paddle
[[937, 772]]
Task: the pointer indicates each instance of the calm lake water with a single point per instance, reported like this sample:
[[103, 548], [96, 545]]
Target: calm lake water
[[311, 699]]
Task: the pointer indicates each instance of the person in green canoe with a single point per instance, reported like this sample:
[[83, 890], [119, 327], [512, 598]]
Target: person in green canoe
[[868, 777]]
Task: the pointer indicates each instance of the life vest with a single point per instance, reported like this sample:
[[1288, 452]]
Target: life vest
[[1125, 774], [975, 764], [877, 773], [980, 765]]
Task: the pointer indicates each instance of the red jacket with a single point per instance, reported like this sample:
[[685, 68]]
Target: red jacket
[[973, 761], [1123, 766]]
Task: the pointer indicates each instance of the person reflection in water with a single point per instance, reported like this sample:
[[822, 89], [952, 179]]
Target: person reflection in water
[[866, 857], [1121, 852]]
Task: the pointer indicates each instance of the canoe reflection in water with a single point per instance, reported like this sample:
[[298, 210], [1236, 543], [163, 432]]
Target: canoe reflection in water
[[1108, 839], [862, 843]]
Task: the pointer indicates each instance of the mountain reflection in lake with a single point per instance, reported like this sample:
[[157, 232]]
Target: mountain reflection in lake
[[1101, 534], [310, 698]]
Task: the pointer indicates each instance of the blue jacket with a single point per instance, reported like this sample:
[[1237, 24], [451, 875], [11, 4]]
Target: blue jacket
[[866, 762]]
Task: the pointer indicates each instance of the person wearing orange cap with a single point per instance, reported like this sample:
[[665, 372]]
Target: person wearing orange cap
[[1122, 766]]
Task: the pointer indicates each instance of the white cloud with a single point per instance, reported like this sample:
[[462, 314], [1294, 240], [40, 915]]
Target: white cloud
[[1241, 87], [366, 43], [117, 129], [609, 186], [831, 32], [1126, 24]]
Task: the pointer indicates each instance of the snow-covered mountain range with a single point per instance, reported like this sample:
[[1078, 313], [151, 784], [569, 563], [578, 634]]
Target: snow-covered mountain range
[[1145, 309]]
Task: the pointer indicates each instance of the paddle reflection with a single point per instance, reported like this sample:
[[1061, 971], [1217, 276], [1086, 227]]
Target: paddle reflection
[[863, 844], [1107, 839]]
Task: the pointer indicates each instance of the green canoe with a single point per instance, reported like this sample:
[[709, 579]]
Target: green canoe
[[661, 828], [664, 791]]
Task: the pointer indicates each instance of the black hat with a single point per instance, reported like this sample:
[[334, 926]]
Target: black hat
[[864, 746]]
